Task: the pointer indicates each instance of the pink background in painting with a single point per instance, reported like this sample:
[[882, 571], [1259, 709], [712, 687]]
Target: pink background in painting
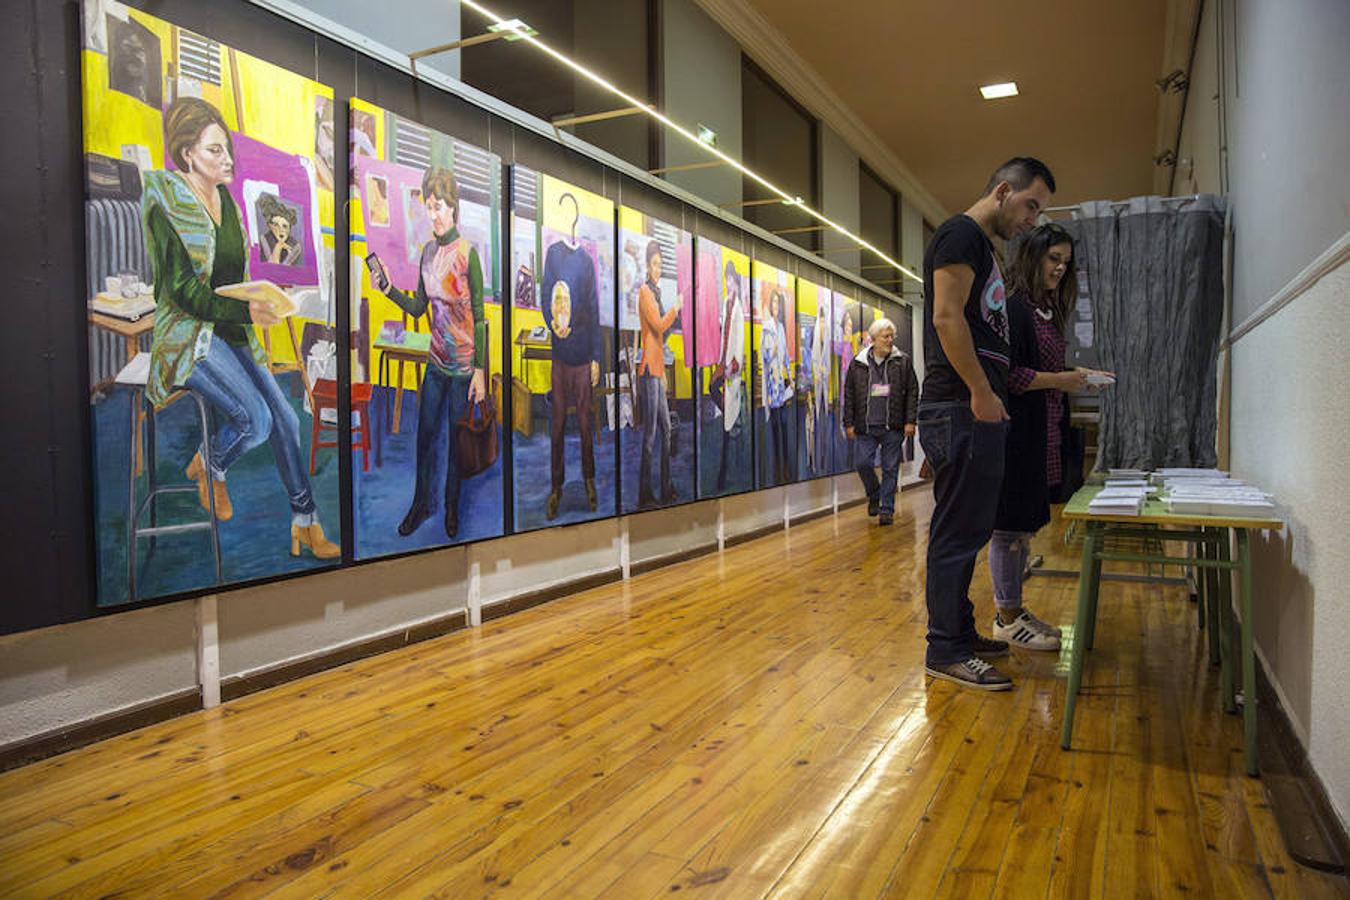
[[389, 241], [255, 161], [708, 305]]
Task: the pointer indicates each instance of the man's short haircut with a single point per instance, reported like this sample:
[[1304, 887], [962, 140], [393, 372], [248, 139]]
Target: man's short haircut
[[1020, 172], [879, 326]]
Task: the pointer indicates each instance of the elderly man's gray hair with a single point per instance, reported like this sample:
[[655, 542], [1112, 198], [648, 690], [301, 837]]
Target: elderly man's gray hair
[[879, 326]]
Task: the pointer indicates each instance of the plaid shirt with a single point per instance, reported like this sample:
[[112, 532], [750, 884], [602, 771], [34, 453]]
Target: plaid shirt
[[1051, 347]]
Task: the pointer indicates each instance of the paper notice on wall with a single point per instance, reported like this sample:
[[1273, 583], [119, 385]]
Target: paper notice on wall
[[1085, 308], [1083, 332]]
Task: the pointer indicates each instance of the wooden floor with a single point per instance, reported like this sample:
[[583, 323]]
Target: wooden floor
[[744, 725]]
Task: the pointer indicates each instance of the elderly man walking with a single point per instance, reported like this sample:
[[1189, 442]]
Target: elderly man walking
[[881, 403]]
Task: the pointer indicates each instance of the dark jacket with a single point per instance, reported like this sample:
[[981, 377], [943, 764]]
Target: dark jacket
[[902, 407], [1024, 501]]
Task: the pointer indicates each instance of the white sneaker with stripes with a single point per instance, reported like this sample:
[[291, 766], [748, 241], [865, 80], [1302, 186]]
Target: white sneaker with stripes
[[1027, 632]]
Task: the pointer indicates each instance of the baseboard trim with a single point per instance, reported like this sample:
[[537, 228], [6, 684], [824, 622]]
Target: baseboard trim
[[746, 537], [232, 687], [1312, 831], [520, 602], [669, 559], [99, 728]]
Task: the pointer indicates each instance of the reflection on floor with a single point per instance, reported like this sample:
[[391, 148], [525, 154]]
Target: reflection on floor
[[748, 724]]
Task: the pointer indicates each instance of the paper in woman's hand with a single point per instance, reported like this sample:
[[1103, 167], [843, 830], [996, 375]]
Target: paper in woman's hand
[[278, 302]]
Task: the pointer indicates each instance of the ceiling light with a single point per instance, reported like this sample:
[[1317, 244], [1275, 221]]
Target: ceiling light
[[995, 91], [665, 120]]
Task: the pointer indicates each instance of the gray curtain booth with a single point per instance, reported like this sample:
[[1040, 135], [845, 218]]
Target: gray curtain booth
[[1154, 271]]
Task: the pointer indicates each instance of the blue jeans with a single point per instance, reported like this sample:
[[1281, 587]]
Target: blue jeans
[[1008, 555], [655, 420], [967, 460], [247, 408], [892, 445], [439, 391]]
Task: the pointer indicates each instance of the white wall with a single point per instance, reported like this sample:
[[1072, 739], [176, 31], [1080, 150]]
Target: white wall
[[1285, 77]]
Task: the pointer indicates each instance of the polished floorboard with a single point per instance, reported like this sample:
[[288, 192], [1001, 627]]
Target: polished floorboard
[[749, 724]]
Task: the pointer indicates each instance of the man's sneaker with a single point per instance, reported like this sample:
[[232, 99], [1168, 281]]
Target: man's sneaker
[[1028, 632], [886, 519], [983, 646], [974, 673], [873, 507]]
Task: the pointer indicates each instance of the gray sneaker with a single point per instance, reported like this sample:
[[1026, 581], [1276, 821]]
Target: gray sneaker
[[973, 673], [1027, 631]]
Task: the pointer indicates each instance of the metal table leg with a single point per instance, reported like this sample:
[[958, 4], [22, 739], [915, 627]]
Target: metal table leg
[[1086, 601]]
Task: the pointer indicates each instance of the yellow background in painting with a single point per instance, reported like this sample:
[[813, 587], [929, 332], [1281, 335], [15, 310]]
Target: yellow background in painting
[[741, 263], [278, 109], [765, 276], [808, 299], [380, 307], [558, 216]]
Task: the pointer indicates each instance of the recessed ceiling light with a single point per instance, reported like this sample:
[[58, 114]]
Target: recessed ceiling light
[[995, 91]]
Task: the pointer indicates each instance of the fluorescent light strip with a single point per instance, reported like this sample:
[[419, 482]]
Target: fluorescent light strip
[[665, 120]]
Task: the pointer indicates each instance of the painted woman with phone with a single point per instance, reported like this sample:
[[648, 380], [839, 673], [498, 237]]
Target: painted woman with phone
[[450, 287]]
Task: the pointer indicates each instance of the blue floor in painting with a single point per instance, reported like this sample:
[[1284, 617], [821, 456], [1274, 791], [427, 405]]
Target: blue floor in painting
[[254, 544]]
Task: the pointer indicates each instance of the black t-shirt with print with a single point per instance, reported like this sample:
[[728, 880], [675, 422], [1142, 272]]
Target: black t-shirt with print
[[960, 241]]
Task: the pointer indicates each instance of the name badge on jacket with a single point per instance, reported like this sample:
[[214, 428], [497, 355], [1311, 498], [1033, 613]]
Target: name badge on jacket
[[880, 390]]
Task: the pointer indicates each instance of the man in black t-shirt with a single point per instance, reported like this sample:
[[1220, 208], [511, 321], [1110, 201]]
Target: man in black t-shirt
[[962, 420]]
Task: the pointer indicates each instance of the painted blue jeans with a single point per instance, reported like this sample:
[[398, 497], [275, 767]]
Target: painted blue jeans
[[443, 398], [655, 421], [247, 408]]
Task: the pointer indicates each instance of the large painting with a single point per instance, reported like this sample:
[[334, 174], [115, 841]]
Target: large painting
[[775, 394], [816, 420], [565, 391], [656, 401], [722, 371], [426, 336], [210, 252]]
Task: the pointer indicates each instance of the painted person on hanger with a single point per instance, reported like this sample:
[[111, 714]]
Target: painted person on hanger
[[880, 408], [963, 420], [450, 285], [652, 381], [571, 311], [205, 342], [773, 361], [820, 392], [1043, 287], [731, 362]]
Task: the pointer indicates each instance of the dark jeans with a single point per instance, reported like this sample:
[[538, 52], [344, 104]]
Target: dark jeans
[[967, 460], [438, 391], [655, 421], [571, 387], [892, 444]]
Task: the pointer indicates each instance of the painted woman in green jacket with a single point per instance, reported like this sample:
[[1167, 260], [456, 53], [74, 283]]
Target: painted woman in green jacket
[[205, 342]]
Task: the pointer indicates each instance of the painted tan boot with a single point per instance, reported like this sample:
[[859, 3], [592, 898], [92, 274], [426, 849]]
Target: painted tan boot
[[311, 536], [197, 472]]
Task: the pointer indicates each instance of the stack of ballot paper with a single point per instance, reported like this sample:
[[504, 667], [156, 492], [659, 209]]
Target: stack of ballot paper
[[1217, 497], [1118, 500]]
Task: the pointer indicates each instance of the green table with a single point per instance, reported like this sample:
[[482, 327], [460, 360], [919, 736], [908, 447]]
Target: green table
[[1209, 538]]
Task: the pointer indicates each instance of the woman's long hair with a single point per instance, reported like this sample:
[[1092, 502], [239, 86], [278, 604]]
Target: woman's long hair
[[1024, 277]]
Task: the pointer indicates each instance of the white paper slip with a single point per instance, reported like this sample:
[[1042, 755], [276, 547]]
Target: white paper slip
[[1100, 379]]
